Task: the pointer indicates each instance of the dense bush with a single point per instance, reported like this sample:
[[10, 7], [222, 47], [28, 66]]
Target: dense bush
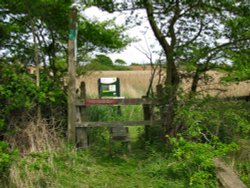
[[210, 128], [17, 93], [19, 98]]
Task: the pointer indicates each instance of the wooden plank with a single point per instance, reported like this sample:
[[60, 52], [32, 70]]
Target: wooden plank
[[133, 101], [118, 123], [227, 176]]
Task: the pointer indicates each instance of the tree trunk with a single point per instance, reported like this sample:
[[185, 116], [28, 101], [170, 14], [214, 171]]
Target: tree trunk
[[172, 84], [195, 81], [172, 81], [36, 59]]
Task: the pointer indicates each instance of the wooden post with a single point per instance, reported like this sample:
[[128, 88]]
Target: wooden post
[[81, 132], [72, 77], [147, 116], [160, 94]]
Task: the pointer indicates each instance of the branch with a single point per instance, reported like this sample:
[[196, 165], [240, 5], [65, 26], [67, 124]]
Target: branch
[[220, 47], [157, 32], [190, 8], [195, 37], [172, 23]]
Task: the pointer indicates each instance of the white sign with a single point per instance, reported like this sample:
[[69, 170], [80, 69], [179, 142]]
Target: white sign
[[107, 80]]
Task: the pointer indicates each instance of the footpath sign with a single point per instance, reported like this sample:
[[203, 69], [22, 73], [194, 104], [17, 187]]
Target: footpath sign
[[109, 87]]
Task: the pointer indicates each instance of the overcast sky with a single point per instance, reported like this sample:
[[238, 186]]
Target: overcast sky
[[143, 33]]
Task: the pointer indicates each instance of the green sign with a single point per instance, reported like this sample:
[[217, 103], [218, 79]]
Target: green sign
[[109, 87], [72, 34]]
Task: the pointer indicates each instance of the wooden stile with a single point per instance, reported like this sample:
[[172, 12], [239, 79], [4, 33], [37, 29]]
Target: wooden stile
[[118, 129]]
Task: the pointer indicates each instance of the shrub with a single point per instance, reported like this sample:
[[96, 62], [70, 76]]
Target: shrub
[[210, 128], [6, 158], [195, 160]]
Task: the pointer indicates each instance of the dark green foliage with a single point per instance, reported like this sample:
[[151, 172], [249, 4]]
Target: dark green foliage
[[205, 118], [104, 36], [194, 160], [6, 159], [240, 68], [208, 128], [96, 66], [101, 62], [17, 90], [48, 21], [120, 62], [244, 170], [103, 59]]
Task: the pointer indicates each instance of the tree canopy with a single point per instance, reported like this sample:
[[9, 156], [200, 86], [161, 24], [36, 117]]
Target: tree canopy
[[49, 22]]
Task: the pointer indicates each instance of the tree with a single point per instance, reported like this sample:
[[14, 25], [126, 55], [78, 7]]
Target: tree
[[103, 59], [50, 21], [191, 33], [120, 62], [239, 26]]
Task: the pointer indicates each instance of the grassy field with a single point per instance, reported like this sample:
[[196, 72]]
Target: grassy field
[[135, 84]]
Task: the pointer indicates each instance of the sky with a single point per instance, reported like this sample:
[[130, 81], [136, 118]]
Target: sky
[[134, 53]]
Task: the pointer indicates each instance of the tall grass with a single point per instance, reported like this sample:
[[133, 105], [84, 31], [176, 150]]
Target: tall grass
[[71, 168], [49, 162]]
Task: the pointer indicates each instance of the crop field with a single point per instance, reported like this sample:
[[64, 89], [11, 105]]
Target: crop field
[[135, 84]]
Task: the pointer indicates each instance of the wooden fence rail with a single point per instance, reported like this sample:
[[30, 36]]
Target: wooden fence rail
[[118, 123], [133, 101]]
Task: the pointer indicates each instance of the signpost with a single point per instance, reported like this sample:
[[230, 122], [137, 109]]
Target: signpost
[[72, 76]]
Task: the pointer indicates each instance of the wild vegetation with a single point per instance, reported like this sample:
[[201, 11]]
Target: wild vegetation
[[195, 37]]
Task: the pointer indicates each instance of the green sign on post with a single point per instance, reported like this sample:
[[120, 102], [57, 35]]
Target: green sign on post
[[72, 34], [109, 87]]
